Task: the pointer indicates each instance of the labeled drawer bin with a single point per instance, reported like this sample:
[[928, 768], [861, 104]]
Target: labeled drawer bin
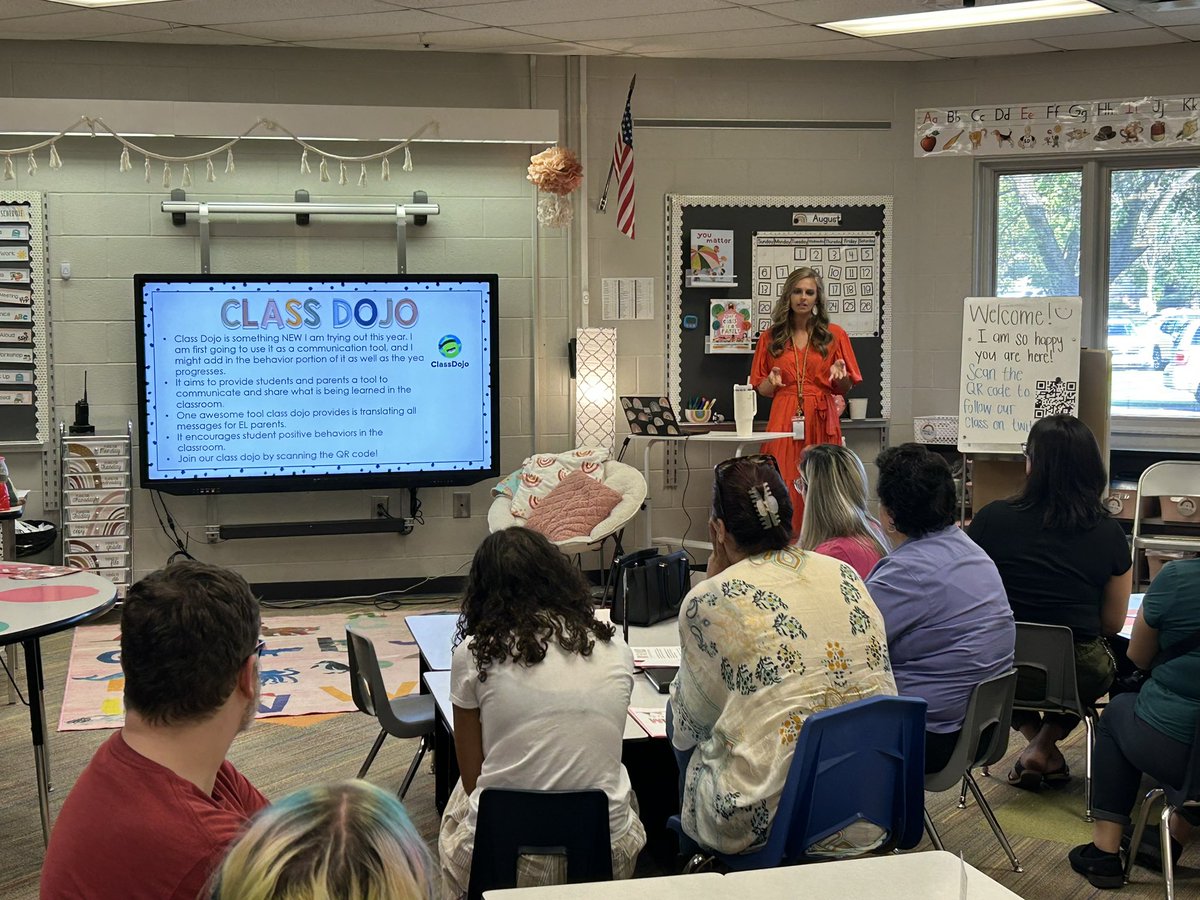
[[95, 529], [115, 464], [1122, 495], [98, 498], [1156, 559], [115, 447], [1180, 509], [97, 561], [96, 545], [93, 481], [935, 429], [97, 513]]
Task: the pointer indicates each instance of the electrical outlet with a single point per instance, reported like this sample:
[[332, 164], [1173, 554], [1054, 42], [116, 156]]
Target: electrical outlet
[[379, 507], [462, 505]]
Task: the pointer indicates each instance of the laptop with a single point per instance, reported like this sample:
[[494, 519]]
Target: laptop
[[655, 416]]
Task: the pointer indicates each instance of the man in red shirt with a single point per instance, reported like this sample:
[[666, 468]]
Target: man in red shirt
[[154, 811]]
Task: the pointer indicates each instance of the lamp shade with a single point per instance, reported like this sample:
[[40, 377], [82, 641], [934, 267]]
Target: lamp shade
[[595, 387]]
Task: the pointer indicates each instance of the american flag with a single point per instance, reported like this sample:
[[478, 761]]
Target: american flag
[[623, 167]]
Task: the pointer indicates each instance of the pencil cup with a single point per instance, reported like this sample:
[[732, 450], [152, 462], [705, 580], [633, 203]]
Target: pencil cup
[[697, 416]]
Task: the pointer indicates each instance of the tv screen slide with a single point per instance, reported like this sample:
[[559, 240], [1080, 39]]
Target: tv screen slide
[[285, 382]]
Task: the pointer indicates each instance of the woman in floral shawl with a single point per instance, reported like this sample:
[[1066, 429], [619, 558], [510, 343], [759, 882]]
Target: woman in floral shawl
[[773, 635]]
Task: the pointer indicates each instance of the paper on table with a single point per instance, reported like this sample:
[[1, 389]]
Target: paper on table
[[655, 656], [653, 721], [962, 876]]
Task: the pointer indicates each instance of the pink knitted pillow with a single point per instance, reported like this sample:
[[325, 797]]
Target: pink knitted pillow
[[576, 505]]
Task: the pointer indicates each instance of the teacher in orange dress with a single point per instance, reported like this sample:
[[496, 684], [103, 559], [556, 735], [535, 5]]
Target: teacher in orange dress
[[802, 355]]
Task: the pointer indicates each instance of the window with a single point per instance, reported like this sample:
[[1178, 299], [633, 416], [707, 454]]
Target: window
[[1123, 233]]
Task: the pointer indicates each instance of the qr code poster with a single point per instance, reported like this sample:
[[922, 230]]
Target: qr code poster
[[839, 259], [1020, 363]]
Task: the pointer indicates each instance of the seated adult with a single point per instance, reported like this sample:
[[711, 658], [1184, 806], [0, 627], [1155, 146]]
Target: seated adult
[[836, 521], [1150, 731], [342, 841], [772, 635], [1064, 561], [540, 690], [157, 806], [948, 623]]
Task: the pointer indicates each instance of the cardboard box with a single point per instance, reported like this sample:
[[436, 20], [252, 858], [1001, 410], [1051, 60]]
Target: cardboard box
[[1156, 559], [1121, 498], [1184, 508]]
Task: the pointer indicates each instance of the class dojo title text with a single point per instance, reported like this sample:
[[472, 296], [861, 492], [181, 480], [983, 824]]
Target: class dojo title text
[[312, 313]]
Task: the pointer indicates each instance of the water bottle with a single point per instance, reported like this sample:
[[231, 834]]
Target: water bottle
[[8, 493]]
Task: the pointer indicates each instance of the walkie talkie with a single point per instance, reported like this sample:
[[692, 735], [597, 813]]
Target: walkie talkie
[[81, 425]]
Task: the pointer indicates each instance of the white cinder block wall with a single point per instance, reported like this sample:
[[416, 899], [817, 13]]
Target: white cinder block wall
[[108, 225]]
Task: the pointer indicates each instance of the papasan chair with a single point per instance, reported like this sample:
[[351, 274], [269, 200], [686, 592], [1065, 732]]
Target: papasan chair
[[624, 480]]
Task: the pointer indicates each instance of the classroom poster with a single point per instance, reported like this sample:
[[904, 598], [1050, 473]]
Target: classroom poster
[[848, 263], [710, 258], [730, 326], [1020, 363]]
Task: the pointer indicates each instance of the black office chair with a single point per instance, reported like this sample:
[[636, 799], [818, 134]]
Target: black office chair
[[572, 824], [1049, 651], [990, 707], [404, 717]]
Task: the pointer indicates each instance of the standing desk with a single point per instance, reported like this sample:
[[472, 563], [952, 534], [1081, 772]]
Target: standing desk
[[30, 610]]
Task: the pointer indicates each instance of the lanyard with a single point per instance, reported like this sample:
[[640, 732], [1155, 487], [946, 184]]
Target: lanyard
[[801, 367]]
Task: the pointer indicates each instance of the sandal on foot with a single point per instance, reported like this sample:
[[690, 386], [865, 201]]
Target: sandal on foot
[[1024, 778], [1058, 778]]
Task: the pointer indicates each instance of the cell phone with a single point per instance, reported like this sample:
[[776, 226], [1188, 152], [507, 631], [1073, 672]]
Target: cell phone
[[661, 677]]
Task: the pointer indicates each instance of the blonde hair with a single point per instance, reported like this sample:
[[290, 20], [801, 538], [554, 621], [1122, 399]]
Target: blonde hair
[[345, 841], [781, 316], [835, 503]]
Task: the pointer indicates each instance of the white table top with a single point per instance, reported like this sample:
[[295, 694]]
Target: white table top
[[32, 608], [434, 634], [701, 886], [932, 875], [438, 683]]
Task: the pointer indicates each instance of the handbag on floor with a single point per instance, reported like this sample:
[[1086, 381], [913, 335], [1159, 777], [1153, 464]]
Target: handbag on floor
[[649, 586]]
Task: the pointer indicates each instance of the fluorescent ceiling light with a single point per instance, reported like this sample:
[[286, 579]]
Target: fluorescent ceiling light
[[96, 4], [967, 17]]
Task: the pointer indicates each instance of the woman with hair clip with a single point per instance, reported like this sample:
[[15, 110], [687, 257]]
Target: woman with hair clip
[[540, 690], [344, 841], [802, 361], [772, 635], [948, 622], [1064, 561], [837, 523]]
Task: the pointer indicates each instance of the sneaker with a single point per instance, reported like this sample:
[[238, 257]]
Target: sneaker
[[1103, 870], [1149, 854]]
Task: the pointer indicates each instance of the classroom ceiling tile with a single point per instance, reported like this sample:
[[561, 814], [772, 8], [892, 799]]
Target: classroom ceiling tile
[[715, 20], [80, 23], [1141, 37], [708, 40], [16, 9], [1187, 32], [791, 51], [493, 39], [359, 25], [186, 34], [814, 11], [1021, 31], [227, 12], [999, 48], [513, 13]]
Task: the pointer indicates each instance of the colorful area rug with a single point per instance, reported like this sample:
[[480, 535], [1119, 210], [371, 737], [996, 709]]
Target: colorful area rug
[[304, 669]]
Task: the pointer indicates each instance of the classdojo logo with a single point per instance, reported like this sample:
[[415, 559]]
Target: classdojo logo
[[450, 346]]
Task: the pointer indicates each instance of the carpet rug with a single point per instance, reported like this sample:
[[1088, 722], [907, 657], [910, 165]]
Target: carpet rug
[[304, 669]]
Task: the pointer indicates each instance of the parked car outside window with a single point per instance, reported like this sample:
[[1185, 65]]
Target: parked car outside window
[[1182, 372]]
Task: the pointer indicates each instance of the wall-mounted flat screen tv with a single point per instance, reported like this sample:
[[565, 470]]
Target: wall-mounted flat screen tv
[[263, 383]]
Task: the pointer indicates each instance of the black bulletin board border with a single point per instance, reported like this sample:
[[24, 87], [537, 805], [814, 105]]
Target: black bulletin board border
[[691, 371]]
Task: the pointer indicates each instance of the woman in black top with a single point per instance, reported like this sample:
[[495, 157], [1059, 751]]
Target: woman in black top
[[1064, 561]]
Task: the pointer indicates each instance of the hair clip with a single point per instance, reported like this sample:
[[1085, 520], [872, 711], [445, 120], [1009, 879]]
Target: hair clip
[[766, 506]]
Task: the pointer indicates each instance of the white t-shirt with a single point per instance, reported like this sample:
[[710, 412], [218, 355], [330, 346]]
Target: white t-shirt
[[554, 726]]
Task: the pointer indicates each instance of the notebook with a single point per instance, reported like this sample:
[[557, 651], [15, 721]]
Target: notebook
[[654, 415]]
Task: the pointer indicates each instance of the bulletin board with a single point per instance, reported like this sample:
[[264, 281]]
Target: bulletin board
[[25, 397], [846, 239]]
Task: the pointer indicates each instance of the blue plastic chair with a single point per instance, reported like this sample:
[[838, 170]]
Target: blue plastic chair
[[864, 760]]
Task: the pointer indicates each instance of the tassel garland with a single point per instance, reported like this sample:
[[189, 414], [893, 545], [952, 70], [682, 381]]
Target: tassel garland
[[125, 165], [385, 170], [55, 160], [166, 175], [362, 176], [304, 169], [342, 174], [407, 159], [324, 169], [9, 174], [230, 168], [210, 175], [147, 170], [187, 176], [32, 163]]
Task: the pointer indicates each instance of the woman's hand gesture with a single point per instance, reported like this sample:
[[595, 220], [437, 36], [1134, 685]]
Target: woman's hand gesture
[[837, 371]]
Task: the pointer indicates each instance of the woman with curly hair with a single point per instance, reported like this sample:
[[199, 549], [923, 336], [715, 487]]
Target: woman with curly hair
[[802, 361], [345, 841], [948, 622], [540, 690]]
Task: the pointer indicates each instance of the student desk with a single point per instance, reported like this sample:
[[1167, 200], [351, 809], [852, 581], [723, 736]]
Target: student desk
[[700, 886], [30, 610], [434, 635]]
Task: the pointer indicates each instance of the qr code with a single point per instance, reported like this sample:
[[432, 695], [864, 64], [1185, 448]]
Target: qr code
[[1055, 398]]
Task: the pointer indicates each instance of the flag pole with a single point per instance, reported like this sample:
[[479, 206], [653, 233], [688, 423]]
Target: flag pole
[[612, 163]]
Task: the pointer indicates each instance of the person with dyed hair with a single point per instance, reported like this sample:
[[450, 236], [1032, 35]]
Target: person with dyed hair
[[345, 841], [837, 523]]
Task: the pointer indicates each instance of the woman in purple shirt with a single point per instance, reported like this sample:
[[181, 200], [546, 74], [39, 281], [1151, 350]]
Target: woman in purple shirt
[[836, 522], [947, 618]]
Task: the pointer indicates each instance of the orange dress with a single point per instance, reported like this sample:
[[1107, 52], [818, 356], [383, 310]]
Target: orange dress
[[821, 422]]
